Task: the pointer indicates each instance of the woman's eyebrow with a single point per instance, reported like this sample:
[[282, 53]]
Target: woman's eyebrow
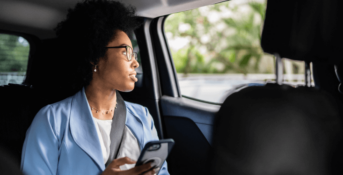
[[126, 45]]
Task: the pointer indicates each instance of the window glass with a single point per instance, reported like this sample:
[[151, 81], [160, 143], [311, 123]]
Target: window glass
[[216, 49], [14, 54], [294, 72]]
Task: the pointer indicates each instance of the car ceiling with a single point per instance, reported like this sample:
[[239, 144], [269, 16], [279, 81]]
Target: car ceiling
[[39, 17]]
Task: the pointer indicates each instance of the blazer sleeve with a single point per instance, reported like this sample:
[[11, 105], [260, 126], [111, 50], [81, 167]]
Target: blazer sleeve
[[164, 168], [40, 149]]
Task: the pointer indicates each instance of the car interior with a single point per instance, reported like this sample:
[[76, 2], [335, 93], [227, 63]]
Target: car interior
[[309, 31]]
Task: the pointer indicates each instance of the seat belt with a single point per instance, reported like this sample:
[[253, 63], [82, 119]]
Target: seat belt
[[117, 128]]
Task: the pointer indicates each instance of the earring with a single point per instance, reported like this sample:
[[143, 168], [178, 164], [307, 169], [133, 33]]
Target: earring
[[95, 69]]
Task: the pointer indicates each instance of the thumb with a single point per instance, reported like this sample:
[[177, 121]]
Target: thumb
[[121, 161]]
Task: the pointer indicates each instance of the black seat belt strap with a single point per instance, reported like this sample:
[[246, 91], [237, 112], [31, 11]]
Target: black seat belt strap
[[117, 128]]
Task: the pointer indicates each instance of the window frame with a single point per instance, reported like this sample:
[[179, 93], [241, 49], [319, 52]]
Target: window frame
[[34, 44], [166, 69], [168, 76]]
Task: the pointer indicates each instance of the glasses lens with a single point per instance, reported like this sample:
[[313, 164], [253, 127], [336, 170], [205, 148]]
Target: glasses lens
[[129, 53], [134, 55]]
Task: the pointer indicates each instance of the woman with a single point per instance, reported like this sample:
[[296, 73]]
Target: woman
[[93, 131]]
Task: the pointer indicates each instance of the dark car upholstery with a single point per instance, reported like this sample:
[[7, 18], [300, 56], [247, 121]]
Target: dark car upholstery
[[276, 130], [339, 74], [22, 102]]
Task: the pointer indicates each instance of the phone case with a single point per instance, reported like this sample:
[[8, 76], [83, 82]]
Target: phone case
[[157, 154]]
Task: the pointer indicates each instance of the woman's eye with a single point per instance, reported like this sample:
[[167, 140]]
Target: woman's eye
[[124, 53]]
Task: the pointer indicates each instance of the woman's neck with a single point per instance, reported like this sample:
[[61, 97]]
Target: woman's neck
[[101, 99]]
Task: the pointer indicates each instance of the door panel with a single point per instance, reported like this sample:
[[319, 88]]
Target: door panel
[[190, 124], [201, 114], [191, 148]]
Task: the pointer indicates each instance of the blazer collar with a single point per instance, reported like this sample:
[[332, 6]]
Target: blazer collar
[[83, 129]]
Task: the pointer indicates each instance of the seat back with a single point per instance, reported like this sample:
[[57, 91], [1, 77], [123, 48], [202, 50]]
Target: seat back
[[16, 116], [276, 130], [20, 103], [339, 74], [7, 164]]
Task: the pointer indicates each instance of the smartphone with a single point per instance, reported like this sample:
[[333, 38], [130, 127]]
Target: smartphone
[[155, 152]]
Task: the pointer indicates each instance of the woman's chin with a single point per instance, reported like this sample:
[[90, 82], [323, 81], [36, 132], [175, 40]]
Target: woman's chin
[[127, 89]]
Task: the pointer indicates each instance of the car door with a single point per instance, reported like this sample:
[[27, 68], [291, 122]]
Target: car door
[[188, 121]]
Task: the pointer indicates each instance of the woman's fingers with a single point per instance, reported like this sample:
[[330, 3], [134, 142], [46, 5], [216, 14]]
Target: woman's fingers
[[152, 172], [116, 163], [140, 169], [145, 169]]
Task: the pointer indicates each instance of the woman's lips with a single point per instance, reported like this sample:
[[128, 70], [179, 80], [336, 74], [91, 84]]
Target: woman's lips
[[133, 78]]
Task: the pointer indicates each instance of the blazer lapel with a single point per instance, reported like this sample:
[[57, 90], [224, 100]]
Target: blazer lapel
[[135, 124], [83, 129]]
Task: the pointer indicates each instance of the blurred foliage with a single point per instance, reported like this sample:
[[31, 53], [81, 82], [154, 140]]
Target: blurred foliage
[[14, 53], [227, 43]]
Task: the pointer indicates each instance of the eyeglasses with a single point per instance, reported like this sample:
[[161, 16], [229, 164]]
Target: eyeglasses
[[128, 53]]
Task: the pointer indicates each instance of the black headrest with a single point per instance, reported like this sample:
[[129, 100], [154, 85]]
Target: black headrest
[[276, 130], [309, 30]]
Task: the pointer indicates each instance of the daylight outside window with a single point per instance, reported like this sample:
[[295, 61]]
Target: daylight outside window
[[14, 54], [216, 50]]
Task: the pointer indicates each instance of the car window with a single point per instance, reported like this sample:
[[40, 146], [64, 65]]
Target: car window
[[14, 54], [216, 49]]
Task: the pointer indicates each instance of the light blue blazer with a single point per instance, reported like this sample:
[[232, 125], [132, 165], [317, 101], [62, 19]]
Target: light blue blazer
[[62, 138]]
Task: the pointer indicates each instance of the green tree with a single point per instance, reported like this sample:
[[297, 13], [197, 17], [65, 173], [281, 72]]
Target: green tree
[[235, 48], [14, 52]]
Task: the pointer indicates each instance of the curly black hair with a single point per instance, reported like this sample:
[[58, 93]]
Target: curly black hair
[[84, 34]]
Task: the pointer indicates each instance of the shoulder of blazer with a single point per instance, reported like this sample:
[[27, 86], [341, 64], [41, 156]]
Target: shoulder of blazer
[[136, 109], [60, 114]]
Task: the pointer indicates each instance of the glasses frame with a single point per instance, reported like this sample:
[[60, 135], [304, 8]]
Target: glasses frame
[[129, 58]]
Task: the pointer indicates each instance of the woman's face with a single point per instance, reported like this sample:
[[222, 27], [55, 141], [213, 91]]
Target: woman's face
[[114, 71]]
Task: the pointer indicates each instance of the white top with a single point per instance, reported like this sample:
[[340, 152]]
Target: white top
[[128, 148], [103, 128]]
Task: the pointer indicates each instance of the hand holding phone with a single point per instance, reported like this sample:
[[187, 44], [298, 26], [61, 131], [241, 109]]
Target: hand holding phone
[[155, 152], [113, 168]]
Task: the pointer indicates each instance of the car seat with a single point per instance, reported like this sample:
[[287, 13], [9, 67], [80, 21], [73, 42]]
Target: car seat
[[21, 102], [7, 164], [339, 73], [278, 129]]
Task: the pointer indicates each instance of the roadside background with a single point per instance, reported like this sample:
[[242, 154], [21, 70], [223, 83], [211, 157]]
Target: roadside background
[[216, 49]]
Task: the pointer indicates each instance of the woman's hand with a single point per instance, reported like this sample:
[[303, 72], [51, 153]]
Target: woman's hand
[[113, 168]]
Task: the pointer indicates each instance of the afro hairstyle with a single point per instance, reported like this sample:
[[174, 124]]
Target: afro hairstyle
[[83, 36]]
